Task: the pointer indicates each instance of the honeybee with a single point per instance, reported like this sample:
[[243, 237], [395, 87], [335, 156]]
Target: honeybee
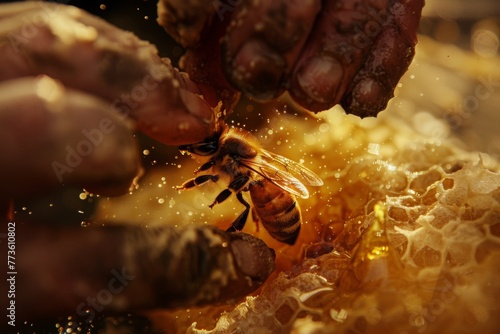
[[272, 180]]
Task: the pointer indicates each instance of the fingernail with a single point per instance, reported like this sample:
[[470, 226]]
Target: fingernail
[[367, 98], [252, 256], [257, 70], [320, 78], [195, 106]]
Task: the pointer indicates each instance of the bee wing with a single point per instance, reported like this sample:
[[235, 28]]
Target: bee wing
[[305, 175], [280, 177]]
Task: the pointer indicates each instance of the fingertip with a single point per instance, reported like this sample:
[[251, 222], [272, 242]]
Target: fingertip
[[317, 82], [252, 256], [367, 98], [58, 135], [263, 43]]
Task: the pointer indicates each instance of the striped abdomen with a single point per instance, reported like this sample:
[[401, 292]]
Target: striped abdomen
[[277, 210]]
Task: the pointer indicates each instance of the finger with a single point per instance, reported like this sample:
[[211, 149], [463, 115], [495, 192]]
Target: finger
[[185, 20], [89, 54], [348, 37], [335, 51], [50, 135], [391, 55], [263, 42], [188, 22], [204, 66], [124, 268]]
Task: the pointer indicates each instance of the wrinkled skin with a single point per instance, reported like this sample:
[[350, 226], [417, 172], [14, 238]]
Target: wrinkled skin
[[157, 267], [74, 83], [73, 90], [115, 76], [348, 52], [351, 52], [91, 55]]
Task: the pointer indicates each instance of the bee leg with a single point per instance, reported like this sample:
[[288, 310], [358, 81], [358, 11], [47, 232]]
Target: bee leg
[[224, 194], [197, 181], [256, 219], [239, 223], [205, 166], [235, 186]]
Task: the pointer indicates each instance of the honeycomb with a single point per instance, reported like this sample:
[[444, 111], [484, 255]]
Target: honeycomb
[[401, 247], [404, 237]]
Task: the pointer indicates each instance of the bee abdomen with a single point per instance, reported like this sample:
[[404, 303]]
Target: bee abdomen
[[284, 227], [277, 210]]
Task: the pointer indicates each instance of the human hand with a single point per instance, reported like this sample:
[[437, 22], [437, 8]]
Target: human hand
[[88, 54], [77, 129], [95, 271], [73, 88], [351, 52], [99, 67]]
